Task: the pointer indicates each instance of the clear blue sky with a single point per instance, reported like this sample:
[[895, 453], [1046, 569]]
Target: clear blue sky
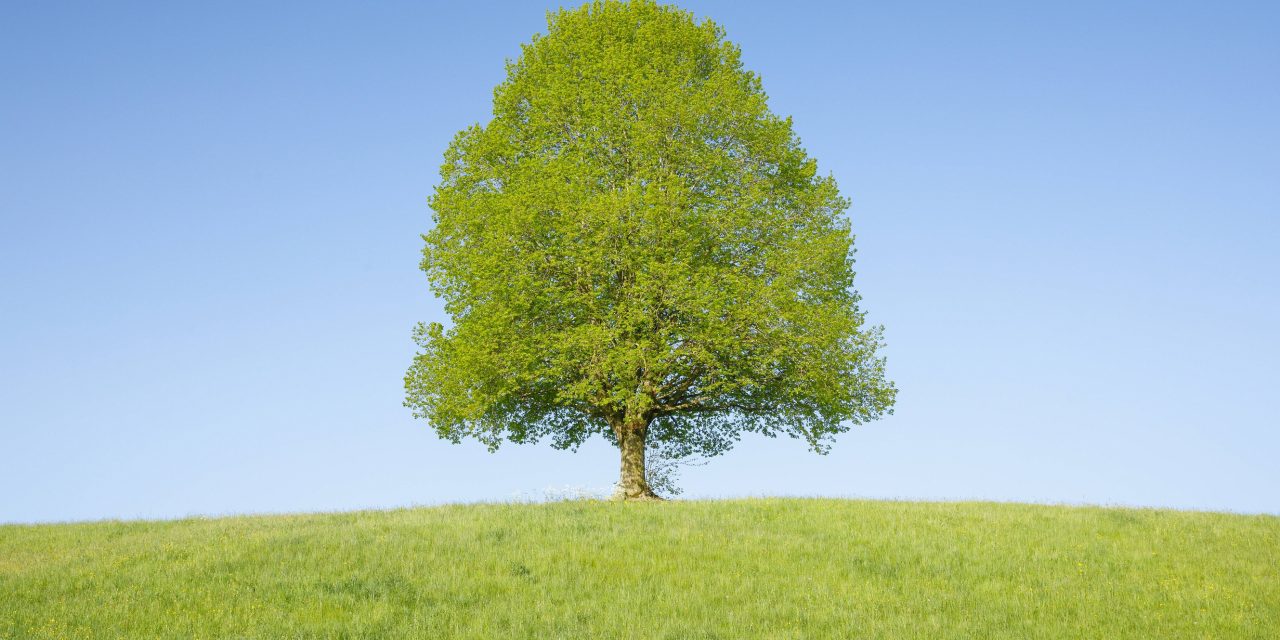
[[1068, 220]]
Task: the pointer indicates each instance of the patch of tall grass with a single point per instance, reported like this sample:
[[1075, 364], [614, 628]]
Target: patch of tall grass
[[772, 568]]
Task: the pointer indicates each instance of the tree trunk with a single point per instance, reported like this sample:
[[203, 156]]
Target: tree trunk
[[633, 484]]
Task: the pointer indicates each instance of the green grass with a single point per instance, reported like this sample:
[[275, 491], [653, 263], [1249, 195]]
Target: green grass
[[723, 569]]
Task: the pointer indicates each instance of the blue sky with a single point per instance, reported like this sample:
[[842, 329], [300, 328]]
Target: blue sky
[[1067, 216]]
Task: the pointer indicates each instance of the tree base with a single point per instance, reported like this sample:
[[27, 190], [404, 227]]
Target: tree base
[[646, 495]]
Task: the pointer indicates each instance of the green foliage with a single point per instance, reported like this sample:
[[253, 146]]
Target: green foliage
[[737, 569], [634, 239]]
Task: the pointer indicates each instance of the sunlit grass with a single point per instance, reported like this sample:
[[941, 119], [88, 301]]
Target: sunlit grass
[[722, 569]]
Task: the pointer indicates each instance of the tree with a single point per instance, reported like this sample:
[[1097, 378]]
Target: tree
[[635, 246]]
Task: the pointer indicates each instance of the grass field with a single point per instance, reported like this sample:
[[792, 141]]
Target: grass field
[[774, 568]]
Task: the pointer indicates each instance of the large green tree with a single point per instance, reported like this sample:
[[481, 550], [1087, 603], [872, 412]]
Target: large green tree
[[635, 247]]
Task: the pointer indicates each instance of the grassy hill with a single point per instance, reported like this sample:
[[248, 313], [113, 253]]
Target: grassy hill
[[724, 569]]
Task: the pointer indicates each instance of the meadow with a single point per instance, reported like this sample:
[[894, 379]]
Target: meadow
[[761, 568]]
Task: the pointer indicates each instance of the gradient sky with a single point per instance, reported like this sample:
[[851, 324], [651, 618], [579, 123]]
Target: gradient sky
[[1067, 217]]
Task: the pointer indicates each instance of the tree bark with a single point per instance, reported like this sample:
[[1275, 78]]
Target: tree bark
[[633, 484]]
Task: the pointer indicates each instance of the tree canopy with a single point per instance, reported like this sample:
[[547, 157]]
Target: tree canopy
[[635, 247]]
